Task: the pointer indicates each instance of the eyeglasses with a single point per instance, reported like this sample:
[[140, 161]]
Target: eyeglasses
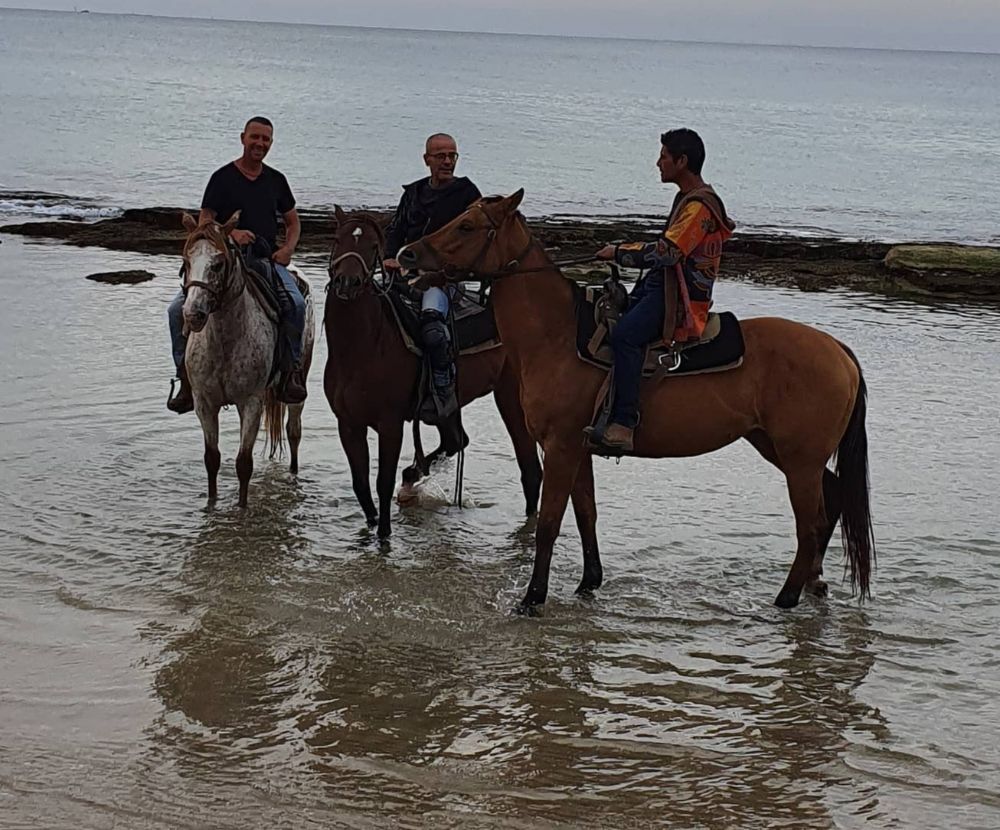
[[443, 156]]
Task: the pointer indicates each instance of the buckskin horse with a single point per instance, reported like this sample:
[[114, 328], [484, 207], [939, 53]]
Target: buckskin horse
[[371, 377], [231, 349], [799, 398]]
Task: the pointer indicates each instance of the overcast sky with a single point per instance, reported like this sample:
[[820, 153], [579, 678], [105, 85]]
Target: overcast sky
[[961, 25]]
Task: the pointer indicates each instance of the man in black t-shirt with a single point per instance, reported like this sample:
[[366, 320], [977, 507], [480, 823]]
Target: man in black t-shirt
[[427, 205], [261, 194]]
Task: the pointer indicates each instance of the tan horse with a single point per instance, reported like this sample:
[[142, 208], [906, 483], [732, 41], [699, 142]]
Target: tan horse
[[230, 352], [799, 398]]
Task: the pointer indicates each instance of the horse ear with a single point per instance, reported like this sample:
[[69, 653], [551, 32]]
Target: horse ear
[[230, 226], [338, 211], [514, 200], [189, 221]]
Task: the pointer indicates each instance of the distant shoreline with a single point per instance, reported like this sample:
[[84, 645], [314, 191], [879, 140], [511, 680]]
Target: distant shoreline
[[808, 263]]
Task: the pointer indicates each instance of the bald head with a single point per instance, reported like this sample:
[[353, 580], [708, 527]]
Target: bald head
[[441, 157]]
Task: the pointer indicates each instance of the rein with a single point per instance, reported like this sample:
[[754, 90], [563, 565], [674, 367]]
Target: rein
[[513, 266], [370, 268]]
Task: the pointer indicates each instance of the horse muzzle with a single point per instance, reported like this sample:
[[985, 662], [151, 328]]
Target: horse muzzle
[[347, 286], [195, 319]]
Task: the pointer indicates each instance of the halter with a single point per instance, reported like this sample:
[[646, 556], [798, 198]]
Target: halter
[[475, 270], [233, 256], [370, 269]]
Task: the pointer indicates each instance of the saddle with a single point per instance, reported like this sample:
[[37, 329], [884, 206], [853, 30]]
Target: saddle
[[475, 326], [719, 349], [266, 287]]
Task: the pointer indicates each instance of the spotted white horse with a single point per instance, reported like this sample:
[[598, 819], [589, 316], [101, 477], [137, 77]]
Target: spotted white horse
[[230, 351]]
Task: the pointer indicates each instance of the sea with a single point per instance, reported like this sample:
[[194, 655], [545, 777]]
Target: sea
[[169, 664]]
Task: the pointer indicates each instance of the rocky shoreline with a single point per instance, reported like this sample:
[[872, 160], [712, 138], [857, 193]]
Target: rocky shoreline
[[813, 264]]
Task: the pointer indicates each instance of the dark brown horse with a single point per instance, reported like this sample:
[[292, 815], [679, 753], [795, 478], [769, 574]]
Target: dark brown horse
[[371, 378], [799, 398]]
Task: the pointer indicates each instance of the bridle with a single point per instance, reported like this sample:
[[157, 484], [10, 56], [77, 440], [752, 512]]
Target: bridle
[[370, 268], [217, 295]]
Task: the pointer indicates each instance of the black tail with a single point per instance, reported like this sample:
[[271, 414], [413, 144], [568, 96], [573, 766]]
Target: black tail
[[852, 471]]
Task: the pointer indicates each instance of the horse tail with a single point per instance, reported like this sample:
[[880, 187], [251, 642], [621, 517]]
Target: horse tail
[[274, 421], [852, 472]]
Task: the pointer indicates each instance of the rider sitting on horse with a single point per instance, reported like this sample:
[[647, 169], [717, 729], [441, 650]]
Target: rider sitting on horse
[[690, 248], [260, 193], [427, 205]]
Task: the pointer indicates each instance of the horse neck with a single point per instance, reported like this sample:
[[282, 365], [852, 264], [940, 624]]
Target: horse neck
[[535, 309], [356, 326]]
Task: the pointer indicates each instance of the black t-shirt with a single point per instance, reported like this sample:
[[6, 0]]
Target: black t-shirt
[[260, 201]]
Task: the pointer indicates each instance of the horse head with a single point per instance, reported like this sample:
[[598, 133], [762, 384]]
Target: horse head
[[477, 244], [210, 266], [358, 243]]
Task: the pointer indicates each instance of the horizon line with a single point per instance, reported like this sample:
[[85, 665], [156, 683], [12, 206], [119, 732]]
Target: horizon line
[[510, 33]]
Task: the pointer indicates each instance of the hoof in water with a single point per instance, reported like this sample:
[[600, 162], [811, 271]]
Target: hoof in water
[[523, 609], [787, 598], [818, 588]]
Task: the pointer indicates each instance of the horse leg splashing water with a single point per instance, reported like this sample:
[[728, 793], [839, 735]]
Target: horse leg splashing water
[[230, 350], [799, 398]]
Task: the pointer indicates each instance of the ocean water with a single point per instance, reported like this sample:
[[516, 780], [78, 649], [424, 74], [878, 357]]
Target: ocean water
[[102, 112]]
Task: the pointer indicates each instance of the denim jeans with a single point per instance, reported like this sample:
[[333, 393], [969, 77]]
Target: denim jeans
[[435, 299], [638, 327], [297, 318]]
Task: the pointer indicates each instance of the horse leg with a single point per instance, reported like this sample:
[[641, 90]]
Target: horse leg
[[250, 411], [209, 418], [294, 432], [354, 440], [561, 466], [585, 510], [508, 403], [831, 504], [390, 442], [805, 488]]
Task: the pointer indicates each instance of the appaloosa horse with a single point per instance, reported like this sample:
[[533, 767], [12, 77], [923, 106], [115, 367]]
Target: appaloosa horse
[[230, 351], [799, 398], [371, 378]]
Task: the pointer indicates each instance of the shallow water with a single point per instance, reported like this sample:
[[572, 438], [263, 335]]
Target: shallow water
[[168, 665]]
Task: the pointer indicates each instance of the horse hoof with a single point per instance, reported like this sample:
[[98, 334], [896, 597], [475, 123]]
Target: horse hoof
[[384, 534], [787, 598], [819, 588], [525, 609]]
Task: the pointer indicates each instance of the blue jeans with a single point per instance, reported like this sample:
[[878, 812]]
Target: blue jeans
[[435, 299], [297, 318], [639, 326]]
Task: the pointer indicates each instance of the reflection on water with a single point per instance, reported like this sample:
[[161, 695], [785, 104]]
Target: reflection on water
[[173, 665]]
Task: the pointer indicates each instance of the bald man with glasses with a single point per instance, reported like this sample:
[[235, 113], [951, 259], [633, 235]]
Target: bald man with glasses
[[427, 205]]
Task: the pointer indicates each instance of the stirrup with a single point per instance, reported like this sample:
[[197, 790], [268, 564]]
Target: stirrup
[[670, 360]]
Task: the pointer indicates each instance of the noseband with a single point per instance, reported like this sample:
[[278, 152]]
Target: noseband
[[217, 295]]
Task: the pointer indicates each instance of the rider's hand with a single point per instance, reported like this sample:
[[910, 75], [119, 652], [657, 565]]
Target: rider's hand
[[242, 237], [607, 252], [391, 264], [282, 256]]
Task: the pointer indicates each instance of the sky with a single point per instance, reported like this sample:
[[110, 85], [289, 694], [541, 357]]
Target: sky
[[953, 25]]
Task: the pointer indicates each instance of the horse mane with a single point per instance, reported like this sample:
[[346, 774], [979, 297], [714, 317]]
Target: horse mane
[[210, 230]]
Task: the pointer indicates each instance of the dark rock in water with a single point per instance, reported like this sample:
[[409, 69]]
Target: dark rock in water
[[122, 277], [946, 269]]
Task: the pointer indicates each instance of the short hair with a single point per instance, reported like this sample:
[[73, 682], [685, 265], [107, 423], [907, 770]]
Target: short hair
[[430, 138], [685, 142], [258, 119]]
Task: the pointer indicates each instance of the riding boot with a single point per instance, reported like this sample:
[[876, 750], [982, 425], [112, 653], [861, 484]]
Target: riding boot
[[183, 401], [437, 345], [293, 386]]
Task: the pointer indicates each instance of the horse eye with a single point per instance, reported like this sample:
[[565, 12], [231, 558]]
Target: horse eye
[[466, 227]]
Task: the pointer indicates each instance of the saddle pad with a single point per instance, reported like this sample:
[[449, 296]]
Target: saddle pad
[[476, 331], [720, 348]]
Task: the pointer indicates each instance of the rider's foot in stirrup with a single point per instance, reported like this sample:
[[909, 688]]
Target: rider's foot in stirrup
[[613, 438], [183, 401], [293, 389]]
